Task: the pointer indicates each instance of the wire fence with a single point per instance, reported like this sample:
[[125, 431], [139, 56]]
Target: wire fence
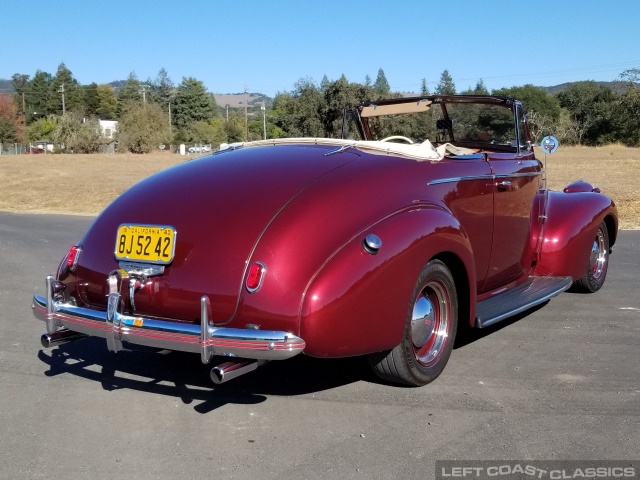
[[19, 149], [184, 149]]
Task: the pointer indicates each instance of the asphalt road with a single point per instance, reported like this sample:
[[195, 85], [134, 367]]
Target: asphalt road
[[561, 382]]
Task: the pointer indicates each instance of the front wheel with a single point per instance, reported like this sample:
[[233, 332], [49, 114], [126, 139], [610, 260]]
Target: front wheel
[[430, 330], [596, 271]]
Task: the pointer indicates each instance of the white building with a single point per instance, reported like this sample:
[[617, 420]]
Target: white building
[[108, 128]]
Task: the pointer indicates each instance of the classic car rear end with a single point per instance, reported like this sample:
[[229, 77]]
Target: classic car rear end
[[336, 247]]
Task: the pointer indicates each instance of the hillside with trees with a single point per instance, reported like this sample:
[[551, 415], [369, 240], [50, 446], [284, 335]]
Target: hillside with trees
[[158, 111]]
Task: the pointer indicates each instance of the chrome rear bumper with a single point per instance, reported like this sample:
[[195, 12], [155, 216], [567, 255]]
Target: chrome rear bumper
[[118, 328]]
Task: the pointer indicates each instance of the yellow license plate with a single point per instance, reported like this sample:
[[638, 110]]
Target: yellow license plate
[[146, 243]]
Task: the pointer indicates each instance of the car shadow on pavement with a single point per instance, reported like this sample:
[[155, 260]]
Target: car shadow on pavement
[[468, 335], [183, 376]]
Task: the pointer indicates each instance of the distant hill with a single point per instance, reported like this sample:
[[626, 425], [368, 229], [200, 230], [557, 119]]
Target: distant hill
[[6, 86], [615, 86], [236, 100]]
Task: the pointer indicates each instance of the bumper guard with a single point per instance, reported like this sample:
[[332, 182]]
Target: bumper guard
[[118, 328]]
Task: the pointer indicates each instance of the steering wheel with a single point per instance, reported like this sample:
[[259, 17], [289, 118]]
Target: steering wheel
[[397, 137]]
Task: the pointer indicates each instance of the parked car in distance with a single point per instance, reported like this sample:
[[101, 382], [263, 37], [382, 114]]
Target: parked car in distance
[[34, 150], [428, 218], [200, 149]]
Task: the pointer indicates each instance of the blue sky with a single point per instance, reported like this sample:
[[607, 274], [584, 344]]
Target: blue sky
[[269, 45]]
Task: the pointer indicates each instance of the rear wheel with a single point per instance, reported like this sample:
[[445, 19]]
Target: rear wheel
[[596, 271], [430, 330]]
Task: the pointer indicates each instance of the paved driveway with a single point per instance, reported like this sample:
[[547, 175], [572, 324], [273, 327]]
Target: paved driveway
[[561, 382]]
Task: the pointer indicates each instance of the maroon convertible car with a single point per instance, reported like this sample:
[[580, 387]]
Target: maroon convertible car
[[428, 217]]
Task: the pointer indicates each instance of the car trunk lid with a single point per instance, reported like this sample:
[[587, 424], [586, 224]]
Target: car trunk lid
[[219, 206]]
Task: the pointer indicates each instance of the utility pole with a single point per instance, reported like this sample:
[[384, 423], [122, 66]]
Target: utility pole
[[170, 131], [246, 122], [143, 91], [227, 113], [264, 119], [24, 112], [61, 90]]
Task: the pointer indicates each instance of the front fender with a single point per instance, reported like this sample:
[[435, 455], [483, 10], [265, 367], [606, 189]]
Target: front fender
[[357, 302], [570, 228]]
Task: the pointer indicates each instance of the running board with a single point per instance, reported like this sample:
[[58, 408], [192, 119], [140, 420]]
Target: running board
[[531, 292]]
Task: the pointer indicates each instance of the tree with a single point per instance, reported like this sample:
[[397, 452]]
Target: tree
[[424, 89], [20, 84], [592, 108], [38, 98], [445, 85], [91, 99], [130, 93], [234, 128], [11, 130], [42, 128], [300, 112], [211, 132], [339, 95], [367, 81], [76, 134], [162, 90], [108, 102], [324, 82], [63, 82], [534, 99], [192, 103], [142, 127], [541, 125], [629, 107], [481, 88], [381, 85]]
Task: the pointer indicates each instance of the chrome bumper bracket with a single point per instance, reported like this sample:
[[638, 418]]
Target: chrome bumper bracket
[[119, 328], [207, 352]]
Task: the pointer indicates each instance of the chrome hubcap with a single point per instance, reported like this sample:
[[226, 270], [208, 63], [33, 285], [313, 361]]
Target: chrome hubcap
[[598, 258], [430, 323]]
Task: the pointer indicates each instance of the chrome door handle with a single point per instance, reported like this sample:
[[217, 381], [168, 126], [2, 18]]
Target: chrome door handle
[[504, 185]]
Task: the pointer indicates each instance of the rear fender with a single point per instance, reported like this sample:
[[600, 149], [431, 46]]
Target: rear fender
[[357, 302], [570, 228]]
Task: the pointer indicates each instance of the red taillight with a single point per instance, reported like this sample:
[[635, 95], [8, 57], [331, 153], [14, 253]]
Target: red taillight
[[72, 257], [255, 276]]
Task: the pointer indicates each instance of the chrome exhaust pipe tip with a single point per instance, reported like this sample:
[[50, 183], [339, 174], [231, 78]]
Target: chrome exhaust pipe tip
[[232, 369], [49, 340]]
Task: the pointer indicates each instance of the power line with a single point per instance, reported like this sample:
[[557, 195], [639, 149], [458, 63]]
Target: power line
[[537, 74]]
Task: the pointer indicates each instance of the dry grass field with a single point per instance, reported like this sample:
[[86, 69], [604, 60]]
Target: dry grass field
[[85, 184]]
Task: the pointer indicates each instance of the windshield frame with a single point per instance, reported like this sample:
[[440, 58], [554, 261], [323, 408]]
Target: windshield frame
[[411, 105]]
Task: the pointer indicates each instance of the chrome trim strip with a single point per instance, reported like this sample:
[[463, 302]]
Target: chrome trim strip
[[460, 179], [562, 287], [523, 174], [482, 177], [172, 335]]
